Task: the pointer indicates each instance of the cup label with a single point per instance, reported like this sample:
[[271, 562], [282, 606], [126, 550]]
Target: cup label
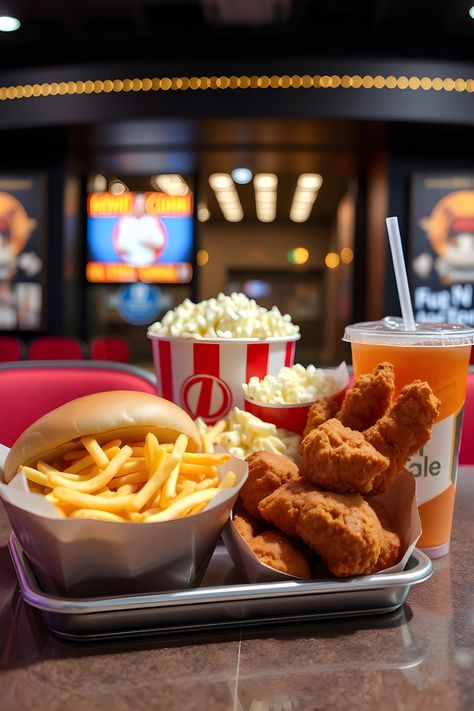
[[435, 465]]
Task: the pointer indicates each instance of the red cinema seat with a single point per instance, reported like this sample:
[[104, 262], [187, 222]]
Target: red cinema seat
[[110, 348], [11, 349], [30, 389], [56, 348], [466, 449]]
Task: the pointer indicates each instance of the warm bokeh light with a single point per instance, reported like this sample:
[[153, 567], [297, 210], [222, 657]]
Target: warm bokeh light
[[202, 257], [347, 255], [203, 213], [332, 260], [298, 255]]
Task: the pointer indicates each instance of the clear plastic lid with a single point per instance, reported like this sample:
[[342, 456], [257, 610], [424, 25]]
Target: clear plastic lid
[[390, 331]]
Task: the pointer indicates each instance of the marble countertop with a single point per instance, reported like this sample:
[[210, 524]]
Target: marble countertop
[[419, 657]]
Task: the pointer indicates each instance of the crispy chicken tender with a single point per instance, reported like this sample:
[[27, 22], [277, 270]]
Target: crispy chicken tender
[[369, 398], [403, 430], [267, 471], [319, 412], [342, 528], [391, 543], [340, 459], [271, 547]]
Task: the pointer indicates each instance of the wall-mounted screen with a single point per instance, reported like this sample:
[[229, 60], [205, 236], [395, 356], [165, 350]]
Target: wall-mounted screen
[[140, 236]]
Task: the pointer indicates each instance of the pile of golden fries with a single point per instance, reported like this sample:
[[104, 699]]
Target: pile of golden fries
[[141, 481]]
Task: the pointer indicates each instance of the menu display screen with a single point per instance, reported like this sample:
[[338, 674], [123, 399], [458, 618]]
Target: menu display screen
[[140, 236]]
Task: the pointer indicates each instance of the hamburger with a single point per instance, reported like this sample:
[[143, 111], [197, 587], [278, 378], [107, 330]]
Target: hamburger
[[119, 414]]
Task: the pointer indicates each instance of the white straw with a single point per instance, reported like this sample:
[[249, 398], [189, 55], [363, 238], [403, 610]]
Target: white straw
[[400, 273]]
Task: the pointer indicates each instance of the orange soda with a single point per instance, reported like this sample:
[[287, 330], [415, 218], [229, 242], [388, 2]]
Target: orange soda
[[438, 354]]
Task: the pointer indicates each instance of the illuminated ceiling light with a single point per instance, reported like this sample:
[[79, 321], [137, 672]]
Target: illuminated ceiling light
[[265, 181], [220, 181], [203, 212], [100, 183], [226, 196], [310, 181], [242, 176], [332, 260], [347, 255], [471, 12], [202, 257], [9, 24], [306, 191], [265, 185], [117, 187], [172, 184]]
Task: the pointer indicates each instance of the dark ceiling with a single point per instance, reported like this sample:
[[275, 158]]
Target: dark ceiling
[[57, 32]]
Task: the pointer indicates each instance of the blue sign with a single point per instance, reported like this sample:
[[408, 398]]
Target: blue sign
[[139, 303]]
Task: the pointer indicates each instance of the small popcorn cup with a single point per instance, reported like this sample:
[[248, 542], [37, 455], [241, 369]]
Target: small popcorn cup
[[293, 417], [204, 376]]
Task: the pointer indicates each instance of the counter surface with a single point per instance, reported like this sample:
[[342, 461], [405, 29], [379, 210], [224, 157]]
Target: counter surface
[[419, 657]]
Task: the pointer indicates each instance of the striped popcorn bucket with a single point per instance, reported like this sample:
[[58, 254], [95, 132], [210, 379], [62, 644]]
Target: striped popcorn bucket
[[205, 376]]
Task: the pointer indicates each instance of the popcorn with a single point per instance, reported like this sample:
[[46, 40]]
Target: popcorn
[[291, 386], [244, 434], [234, 316]]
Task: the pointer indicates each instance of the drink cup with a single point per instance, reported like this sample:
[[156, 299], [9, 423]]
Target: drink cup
[[205, 376], [438, 354]]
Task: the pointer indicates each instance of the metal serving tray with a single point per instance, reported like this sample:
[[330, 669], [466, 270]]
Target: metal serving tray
[[223, 600]]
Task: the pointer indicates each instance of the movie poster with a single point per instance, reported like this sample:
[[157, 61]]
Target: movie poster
[[442, 248], [22, 252]]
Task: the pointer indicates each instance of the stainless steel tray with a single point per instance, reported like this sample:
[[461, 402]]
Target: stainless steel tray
[[222, 601]]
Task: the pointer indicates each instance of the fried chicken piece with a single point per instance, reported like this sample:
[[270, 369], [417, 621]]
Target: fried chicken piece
[[340, 459], [342, 528], [267, 471], [403, 430], [391, 543], [272, 547], [368, 399], [319, 412]]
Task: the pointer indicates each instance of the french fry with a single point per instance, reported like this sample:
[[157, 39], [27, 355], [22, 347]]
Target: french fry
[[133, 478], [177, 508], [35, 475], [97, 514], [92, 501], [169, 466], [207, 483], [97, 482], [87, 459], [96, 451], [196, 469]]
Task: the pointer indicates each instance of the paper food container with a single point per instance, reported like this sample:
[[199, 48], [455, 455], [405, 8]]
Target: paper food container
[[86, 557], [400, 502], [294, 417], [205, 376]]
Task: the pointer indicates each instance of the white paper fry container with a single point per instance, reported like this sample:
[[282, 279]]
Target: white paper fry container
[[205, 376], [400, 502], [86, 557]]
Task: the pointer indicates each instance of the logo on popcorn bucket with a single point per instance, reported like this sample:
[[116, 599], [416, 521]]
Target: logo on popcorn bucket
[[207, 397]]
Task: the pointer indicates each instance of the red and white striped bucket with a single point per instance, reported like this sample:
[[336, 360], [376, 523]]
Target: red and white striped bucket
[[205, 376]]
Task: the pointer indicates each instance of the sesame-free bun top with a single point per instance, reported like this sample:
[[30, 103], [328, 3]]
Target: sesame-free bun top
[[126, 414]]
